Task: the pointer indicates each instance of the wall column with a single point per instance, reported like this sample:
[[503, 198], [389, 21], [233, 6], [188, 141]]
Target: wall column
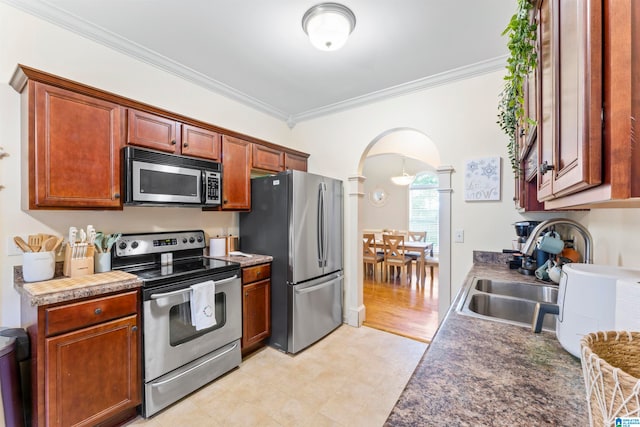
[[354, 306], [445, 235]]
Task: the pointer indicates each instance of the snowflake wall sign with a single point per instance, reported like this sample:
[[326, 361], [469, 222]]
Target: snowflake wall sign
[[482, 179]]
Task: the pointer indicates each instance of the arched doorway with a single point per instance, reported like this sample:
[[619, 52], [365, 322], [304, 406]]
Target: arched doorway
[[415, 144]]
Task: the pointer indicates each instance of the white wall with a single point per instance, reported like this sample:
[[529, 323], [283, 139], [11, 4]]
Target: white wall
[[38, 44]]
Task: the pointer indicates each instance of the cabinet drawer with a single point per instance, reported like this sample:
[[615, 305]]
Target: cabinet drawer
[[81, 314], [255, 273]]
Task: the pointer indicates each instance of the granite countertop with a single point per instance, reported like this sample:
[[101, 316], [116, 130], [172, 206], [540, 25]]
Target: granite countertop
[[480, 372], [247, 261], [61, 288]]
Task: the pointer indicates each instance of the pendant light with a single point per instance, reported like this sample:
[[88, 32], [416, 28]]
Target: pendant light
[[328, 25], [404, 179]]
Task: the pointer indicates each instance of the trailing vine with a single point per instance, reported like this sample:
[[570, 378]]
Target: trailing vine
[[522, 32]]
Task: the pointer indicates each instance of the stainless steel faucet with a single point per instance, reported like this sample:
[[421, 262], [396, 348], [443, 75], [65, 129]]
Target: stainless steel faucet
[[530, 244]]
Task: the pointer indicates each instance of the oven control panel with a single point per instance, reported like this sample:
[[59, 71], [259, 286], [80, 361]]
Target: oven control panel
[[150, 243]]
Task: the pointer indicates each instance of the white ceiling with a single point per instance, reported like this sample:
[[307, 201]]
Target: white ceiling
[[256, 52]]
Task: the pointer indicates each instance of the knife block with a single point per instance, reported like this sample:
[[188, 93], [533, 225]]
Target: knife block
[[78, 266]]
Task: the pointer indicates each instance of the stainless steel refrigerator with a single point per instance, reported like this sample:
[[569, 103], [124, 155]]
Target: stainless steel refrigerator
[[296, 217]]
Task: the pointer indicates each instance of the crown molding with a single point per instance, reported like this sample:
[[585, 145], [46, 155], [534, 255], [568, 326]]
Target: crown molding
[[56, 16], [443, 78]]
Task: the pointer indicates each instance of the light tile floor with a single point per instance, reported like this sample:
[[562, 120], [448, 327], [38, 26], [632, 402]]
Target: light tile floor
[[352, 377]]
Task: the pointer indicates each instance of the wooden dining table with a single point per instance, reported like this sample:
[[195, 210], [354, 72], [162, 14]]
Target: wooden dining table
[[424, 248]]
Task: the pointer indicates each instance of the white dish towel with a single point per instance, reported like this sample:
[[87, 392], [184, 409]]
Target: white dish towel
[[203, 304]]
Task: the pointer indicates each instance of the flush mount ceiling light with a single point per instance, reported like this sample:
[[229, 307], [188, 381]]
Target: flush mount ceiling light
[[404, 179], [328, 25]]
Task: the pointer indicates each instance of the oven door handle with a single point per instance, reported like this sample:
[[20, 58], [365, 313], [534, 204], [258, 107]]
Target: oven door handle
[[182, 291], [158, 384]]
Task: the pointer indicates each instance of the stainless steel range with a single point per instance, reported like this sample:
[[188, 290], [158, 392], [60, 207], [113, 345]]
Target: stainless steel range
[[178, 356]]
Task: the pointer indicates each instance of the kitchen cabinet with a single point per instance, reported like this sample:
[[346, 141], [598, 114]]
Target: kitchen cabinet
[[75, 133], [86, 360], [74, 142], [267, 159], [588, 96], [164, 134], [570, 63], [236, 173], [295, 161], [256, 306]]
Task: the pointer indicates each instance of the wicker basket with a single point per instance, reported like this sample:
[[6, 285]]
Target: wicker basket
[[611, 368]]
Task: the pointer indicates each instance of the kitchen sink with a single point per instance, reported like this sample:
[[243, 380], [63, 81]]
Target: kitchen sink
[[528, 291], [507, 302]]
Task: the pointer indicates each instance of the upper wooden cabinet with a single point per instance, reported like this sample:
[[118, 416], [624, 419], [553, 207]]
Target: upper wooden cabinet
[[74, 143], [236, 173], [268, 159], [589, 65], [163, 134], [295, 161], [75, 133], [570, 66], [198, 142]]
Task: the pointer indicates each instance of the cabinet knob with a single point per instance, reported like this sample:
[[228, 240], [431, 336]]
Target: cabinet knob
[[134, 328], [246, 294], [185, 144], [545, 167], [98, 311], [173, 142], [116, 196], [225, 201]]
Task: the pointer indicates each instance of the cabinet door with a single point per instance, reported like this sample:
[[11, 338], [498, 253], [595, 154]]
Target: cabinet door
[[92, 374], [236, 173], [198, 142], [74, 159], [294, 161], [546, 108], [266, 158], [571, 147], [256, 312], [151, 131]]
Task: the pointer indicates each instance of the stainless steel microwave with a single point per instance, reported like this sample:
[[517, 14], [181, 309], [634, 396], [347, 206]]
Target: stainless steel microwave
[[153, 178]]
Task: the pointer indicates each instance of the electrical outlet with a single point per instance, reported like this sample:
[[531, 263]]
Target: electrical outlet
[[12, 248], [459, 236]]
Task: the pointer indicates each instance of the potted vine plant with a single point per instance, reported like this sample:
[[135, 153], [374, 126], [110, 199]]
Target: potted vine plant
[[522, 32]]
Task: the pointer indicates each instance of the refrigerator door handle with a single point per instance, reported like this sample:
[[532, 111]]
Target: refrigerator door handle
[[325, 230], [319, 240]]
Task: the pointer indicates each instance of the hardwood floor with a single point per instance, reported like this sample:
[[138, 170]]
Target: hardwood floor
[[397, 307]]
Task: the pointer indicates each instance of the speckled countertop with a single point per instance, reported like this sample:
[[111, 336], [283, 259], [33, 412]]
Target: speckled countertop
[[62, 289], [247, 261], [478, 372]]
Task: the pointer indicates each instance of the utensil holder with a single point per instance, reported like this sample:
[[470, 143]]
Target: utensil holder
[[37, 266], [102, 262], [78, 266]]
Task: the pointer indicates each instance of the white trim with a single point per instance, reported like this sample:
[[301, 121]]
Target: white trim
[[57, 16], [444, 268]]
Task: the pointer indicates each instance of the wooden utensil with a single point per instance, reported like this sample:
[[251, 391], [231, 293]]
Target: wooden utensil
[[35, 242], [22, 244], [58, 243], [49, 244]]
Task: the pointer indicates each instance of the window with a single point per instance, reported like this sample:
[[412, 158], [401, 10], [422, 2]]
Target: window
[[424, 206]]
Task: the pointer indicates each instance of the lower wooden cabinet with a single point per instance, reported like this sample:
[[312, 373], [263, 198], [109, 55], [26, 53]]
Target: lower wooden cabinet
[[256, 306], [86, 365]]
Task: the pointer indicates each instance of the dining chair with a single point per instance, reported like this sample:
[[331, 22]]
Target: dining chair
[[370, 255], [394, 255], [417, 236]]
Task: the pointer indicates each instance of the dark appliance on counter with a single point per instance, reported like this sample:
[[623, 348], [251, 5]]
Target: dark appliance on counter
[[178, 358], [153, 178], [526, 265], [296, 217]]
